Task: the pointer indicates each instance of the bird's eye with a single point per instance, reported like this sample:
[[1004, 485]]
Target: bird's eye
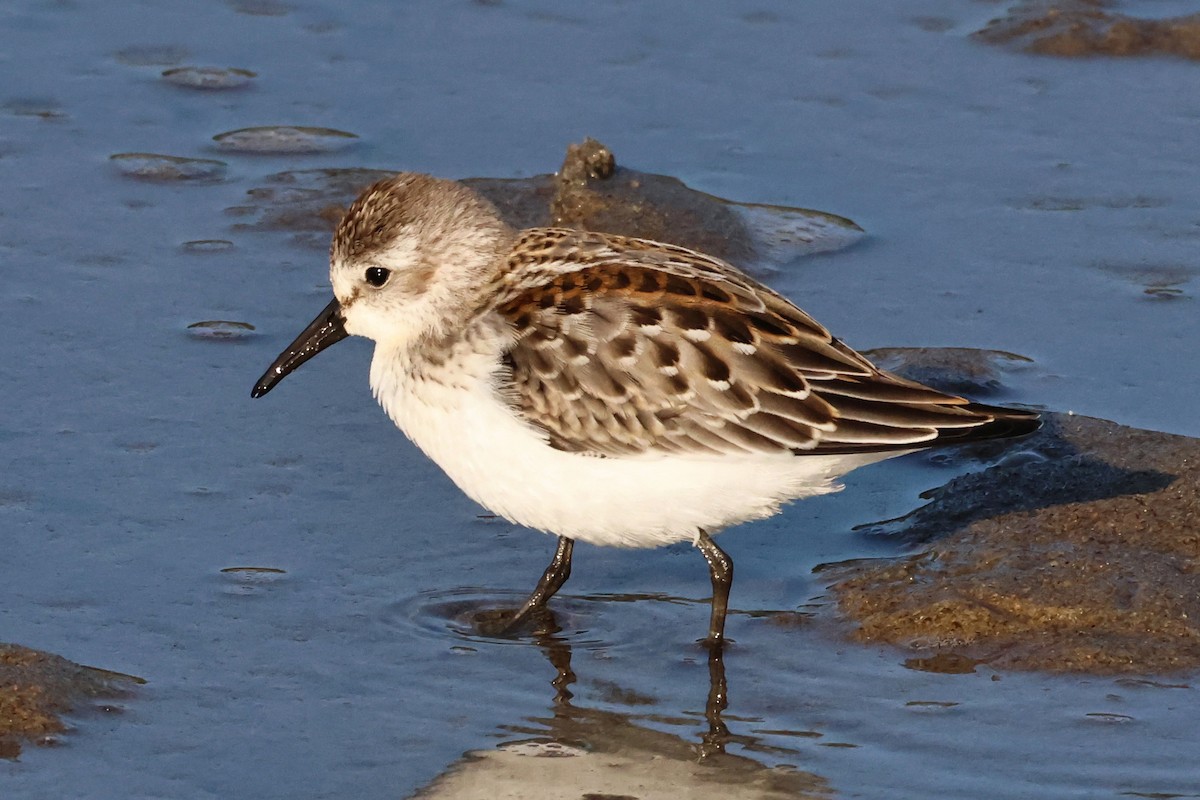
[[377, 276]]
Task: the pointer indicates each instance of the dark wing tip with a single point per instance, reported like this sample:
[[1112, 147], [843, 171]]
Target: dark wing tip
[[1008, 423], [1005, 423]]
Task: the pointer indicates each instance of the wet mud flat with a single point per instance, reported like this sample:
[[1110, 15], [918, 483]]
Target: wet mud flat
[[1077, 550], [37, 689], [1080, 28]]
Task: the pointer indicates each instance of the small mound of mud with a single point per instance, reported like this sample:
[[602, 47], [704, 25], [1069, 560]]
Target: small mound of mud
[[220, 330], [1090, 28], [208, 78], [36, 688], [158, 167], [591, 192], [1081, 553], [205, 246], [284, 140]]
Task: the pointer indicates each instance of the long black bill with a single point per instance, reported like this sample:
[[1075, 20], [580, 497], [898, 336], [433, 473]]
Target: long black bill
[[328, 328]]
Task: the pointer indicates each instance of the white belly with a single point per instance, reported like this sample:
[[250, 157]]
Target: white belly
[[645, 501]]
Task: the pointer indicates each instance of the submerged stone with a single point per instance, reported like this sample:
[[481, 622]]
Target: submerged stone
[[207, 246], [157, 167]]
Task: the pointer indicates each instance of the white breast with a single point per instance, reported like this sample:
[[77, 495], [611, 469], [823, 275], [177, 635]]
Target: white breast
[[454, 414]]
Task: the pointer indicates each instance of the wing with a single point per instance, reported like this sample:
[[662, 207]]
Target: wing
[[625, 346]]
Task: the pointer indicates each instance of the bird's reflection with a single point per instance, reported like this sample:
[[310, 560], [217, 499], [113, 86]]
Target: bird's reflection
[[603, 753], [714, 740], [547, 634]]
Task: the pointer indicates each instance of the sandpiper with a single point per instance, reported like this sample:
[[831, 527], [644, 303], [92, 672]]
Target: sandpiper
[[608, 389]]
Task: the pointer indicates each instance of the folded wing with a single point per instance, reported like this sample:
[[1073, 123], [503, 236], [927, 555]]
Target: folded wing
[[625, 347]]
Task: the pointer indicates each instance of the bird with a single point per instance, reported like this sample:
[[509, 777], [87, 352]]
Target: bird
[[604, 388]]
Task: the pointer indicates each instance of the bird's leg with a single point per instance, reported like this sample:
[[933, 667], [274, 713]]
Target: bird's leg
[[552, 580], [720, 569]]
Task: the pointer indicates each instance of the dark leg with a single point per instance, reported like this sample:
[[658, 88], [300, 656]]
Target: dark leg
[[552, 580], [720, 569]]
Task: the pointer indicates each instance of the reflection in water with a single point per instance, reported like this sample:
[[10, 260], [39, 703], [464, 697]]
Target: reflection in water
[[558, 652], [718, 699], [579, 751]]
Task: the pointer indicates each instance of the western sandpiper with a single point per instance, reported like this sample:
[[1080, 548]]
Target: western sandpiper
[[608, 389]]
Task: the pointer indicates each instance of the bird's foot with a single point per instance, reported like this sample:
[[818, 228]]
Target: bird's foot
[[509, 622]]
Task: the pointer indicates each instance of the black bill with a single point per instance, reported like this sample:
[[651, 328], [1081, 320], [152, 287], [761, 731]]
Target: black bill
[[328, 328]]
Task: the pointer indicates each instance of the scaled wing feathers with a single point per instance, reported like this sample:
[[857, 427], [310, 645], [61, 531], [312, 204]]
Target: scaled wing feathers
[[625, 346]]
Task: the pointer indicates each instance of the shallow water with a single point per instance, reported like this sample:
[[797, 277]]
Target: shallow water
[[1039, 207]]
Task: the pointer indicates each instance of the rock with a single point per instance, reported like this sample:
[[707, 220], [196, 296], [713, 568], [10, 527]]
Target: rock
[[1090, 28], [1079, 553], [36, 688]]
